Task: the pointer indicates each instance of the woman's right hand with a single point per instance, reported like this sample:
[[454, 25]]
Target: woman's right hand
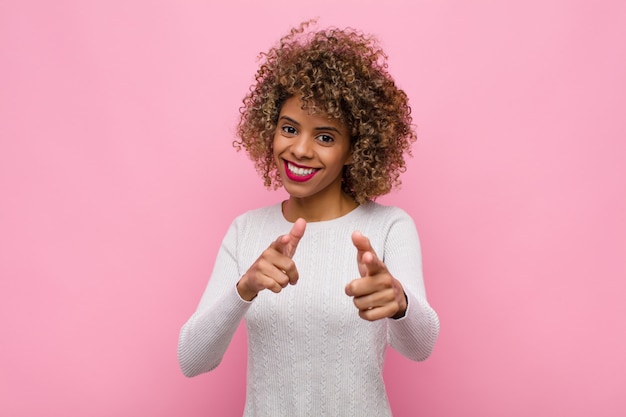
[[274, 269]]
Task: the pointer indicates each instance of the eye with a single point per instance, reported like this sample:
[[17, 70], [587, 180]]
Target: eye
[[326, 139], [290, 130]]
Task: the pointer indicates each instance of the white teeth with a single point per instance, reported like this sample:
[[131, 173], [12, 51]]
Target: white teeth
[[299, 171]]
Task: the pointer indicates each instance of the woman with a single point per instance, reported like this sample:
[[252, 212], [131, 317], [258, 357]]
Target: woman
[[327, 279]]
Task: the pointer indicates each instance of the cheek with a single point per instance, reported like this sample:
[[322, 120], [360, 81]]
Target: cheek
[[274, 145], [344, 158], [276, 148]]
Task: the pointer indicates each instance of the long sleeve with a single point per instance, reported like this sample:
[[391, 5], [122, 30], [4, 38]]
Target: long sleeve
[[413, 335], [309, 352], [206, 335]]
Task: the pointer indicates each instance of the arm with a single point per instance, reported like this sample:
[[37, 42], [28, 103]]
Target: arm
[[415, 334], [393, 289], [206, 335]]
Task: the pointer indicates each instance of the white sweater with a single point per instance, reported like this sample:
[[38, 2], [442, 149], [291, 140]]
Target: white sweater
[[310, 354]]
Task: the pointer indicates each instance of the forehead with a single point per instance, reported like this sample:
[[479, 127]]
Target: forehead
[[295, 108]]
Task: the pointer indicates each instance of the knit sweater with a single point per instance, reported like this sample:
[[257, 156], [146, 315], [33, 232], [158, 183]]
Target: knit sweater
[[309, 353]]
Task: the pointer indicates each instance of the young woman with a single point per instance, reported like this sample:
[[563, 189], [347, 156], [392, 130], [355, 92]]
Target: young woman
[[327, 279]]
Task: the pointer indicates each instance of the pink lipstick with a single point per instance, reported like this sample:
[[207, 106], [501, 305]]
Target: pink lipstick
[[298, 173]]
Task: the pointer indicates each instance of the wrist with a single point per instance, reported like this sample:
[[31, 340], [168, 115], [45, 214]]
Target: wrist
[[245, 293], [403, 307]]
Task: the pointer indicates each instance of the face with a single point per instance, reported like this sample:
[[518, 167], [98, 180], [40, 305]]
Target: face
[[310, 152]]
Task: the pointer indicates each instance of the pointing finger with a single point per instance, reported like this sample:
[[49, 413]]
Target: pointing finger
[[295, 234], [360, 242], [372, 264], [363, 246], [287, 244]]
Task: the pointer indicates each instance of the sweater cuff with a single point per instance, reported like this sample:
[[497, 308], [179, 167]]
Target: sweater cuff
[[413, 306], [239, 296]]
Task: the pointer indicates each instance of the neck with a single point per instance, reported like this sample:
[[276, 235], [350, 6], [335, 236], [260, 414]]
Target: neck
[[316, 211]]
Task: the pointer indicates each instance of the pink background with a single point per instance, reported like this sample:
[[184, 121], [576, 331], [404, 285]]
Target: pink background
[[118, 180]]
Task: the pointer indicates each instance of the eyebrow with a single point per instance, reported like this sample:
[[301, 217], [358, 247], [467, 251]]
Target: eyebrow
[[331, 128]]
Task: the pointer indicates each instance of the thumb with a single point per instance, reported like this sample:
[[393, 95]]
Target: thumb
[[287, 244]]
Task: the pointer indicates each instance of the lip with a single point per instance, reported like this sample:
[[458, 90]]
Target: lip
[[295, 177]]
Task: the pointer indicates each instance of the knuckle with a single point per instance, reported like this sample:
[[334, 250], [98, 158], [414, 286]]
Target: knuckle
[[291, 265], [283, 280], [386, 281], [262, 262]]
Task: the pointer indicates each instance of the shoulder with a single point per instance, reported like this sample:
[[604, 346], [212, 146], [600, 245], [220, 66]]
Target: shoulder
[[255, 214], [381, 220], [384, 212], [267, 217], [390, 229], [386, 221]]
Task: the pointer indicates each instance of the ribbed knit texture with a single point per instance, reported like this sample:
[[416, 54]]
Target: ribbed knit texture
[[310, 354]]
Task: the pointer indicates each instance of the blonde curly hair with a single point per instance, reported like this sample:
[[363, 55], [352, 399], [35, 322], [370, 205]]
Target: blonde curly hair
[[341, 73]]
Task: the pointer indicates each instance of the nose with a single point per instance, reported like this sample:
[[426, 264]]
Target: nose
[[301, 147]]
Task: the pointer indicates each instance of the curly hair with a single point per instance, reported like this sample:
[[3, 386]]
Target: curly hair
[[341, 73]]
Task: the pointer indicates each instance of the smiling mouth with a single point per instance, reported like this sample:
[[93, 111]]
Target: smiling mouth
[[299, 173]]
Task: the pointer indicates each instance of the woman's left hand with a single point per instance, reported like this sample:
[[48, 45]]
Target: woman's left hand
[[377, 294]]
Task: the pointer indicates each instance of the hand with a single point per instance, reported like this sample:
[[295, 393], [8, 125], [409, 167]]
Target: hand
[[274, 269], [376, 294]]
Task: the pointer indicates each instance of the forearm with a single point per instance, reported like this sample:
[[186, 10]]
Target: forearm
[[206, 335], [415, 334]]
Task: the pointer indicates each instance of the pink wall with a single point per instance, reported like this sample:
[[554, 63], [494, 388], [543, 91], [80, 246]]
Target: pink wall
[[117, 181]]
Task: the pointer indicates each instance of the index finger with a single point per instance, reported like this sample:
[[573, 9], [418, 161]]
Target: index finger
[[361, 243], [288, 243], [372, 264], [363, 246]]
